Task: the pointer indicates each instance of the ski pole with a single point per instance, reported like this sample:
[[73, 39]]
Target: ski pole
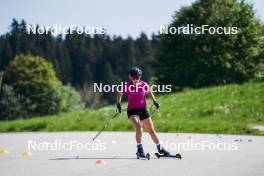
[[109, 121]]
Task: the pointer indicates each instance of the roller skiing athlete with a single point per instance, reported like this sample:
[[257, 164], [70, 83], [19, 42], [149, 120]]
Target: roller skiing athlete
[[137, 111]]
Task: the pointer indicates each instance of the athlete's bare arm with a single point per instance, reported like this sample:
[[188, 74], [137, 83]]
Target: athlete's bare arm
[[151, 95]]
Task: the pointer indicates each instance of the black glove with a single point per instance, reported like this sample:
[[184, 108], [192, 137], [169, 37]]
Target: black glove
[[118, 108], [156, 104]]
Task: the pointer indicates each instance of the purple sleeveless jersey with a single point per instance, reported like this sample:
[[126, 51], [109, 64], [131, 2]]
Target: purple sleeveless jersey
[[136, 94]]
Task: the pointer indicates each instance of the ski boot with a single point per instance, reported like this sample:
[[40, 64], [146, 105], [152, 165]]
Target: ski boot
[[164, 153], [141, 154]]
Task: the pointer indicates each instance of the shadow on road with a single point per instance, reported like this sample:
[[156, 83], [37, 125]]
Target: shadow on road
[[93, 158]]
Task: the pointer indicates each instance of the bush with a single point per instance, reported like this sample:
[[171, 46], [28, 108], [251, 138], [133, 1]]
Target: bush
[[70, 100], [259, 75], [32, 89], [35, 80], [10, 104]]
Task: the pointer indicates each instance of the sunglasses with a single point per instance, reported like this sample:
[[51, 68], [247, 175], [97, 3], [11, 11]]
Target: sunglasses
[[135, 77]]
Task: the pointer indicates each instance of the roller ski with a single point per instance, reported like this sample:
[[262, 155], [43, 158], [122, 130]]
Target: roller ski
[[141, 154], [168, 156], [143, 157], [164, 153]]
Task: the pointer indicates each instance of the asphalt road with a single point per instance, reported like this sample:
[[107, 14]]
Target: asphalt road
[[114, 155]]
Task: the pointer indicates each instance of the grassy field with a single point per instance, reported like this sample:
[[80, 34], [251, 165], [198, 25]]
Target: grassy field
[[231, 109]]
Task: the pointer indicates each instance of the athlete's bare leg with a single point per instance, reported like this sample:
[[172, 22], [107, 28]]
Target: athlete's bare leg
[[148, 124], [137, 125]]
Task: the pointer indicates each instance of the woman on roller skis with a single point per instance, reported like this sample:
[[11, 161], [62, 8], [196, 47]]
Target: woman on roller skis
[[137, 111]]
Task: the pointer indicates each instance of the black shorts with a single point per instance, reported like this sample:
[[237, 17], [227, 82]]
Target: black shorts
[[142, 113]]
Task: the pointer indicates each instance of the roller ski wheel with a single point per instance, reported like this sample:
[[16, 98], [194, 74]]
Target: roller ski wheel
[[168, 156], [143, 157]]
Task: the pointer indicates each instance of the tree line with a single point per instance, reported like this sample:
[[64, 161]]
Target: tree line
[[82, 59], [179, 60]]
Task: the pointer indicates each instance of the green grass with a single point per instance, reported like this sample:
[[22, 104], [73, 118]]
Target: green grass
[[230, 109]]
